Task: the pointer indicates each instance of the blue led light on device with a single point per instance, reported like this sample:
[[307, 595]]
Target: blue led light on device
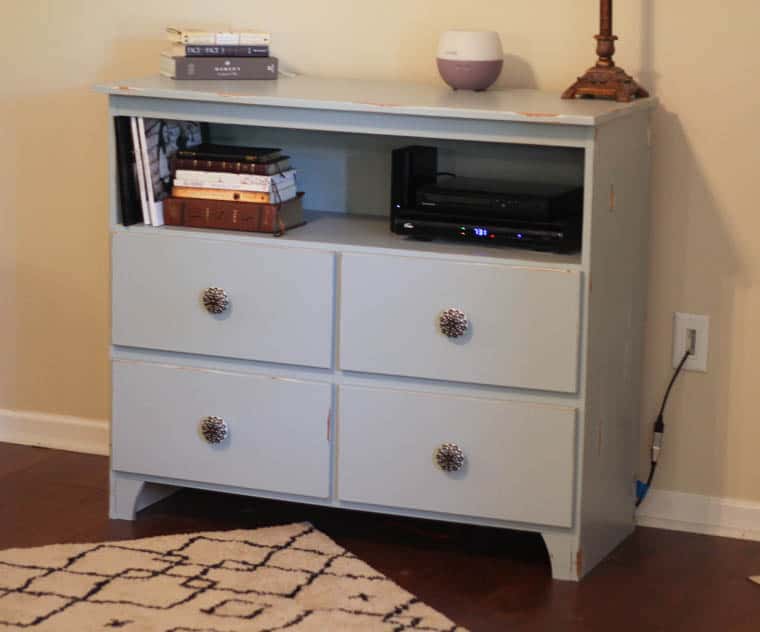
[[479, 231]]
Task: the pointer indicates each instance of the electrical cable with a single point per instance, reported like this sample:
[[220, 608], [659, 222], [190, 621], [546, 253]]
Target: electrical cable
[[658, 432]]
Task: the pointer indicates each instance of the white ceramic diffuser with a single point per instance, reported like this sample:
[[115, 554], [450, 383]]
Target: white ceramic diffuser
[[470, 60]]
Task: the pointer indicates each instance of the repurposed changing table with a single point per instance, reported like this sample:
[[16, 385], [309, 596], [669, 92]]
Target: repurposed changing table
[[326, 378]]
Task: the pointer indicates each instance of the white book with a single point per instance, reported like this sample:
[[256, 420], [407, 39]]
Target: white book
[[191, 182], [140, 171], [239, 181], [200, 37], [282, 191], [156, 209]]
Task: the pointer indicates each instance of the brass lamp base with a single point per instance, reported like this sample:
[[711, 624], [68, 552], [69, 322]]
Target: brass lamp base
[[606, 82]]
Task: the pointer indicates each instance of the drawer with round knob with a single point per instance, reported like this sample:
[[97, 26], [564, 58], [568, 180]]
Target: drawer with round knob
[[242, 430], [223, 298], [465, 456], [505, 325]]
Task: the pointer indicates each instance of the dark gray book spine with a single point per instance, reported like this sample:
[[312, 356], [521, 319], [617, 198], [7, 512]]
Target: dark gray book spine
[[129, 200], [226, 51], [225, 67]]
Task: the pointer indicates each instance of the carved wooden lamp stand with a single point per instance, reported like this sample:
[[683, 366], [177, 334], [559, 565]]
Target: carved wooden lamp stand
[[605, 80]]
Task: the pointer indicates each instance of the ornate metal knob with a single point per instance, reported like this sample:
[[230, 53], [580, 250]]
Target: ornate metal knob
[[449, 457], [215, 300], [453, 322], [214, 429]]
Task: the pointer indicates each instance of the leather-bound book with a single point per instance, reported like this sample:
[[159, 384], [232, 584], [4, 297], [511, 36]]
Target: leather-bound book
[[237, 153], [244, 216], [267, 168]]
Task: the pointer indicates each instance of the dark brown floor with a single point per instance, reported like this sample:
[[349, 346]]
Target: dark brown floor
[[484, 579]]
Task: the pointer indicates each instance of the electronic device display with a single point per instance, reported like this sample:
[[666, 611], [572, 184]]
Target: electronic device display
[[429, 205]]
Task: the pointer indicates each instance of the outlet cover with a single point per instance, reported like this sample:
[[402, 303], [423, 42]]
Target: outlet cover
[[700, 324]]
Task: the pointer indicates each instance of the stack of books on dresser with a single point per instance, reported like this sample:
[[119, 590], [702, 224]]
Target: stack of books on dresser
[[168, 175], [235, 188], [197, 54]]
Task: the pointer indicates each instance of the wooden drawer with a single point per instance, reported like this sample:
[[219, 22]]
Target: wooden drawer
[[519, 458], [523, 322], [278, 438], [280, 299]]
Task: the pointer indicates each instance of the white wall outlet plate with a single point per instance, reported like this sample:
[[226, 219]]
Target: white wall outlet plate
[[688, 327]]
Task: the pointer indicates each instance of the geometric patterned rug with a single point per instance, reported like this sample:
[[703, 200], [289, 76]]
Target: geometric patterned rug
[[290, 578]]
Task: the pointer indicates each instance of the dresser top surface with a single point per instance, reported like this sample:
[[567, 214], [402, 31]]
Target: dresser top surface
[[390, 97]]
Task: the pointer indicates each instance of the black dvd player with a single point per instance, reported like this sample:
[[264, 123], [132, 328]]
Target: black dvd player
[[551, 236], [429, 205], [530, 201]]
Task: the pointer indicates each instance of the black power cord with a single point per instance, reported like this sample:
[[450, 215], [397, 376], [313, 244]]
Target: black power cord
[[659, 431]]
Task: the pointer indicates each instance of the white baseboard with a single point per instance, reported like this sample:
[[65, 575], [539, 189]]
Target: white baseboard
[[61, 432], [711, 515]]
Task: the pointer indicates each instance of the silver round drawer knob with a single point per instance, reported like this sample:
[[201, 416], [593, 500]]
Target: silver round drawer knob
[[215, 300], [449, 457], [453, 322], [214, 429]]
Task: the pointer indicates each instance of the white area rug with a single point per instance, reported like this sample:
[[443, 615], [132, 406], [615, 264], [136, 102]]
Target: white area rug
[[279, 578]]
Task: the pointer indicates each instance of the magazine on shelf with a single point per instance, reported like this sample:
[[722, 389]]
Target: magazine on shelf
[[162, 139]]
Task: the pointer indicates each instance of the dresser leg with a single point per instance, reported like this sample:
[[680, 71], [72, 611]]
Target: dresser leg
[[129, 495], [565, 555]]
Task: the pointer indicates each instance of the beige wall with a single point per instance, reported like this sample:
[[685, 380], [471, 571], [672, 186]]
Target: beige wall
[[699, 58], [7, 266]]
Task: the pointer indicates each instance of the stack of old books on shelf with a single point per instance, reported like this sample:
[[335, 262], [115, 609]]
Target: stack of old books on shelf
[[236, 188], [198, 54], [168, 175]]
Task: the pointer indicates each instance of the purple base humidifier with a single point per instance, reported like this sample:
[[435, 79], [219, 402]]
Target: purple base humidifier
[[470, 60]]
